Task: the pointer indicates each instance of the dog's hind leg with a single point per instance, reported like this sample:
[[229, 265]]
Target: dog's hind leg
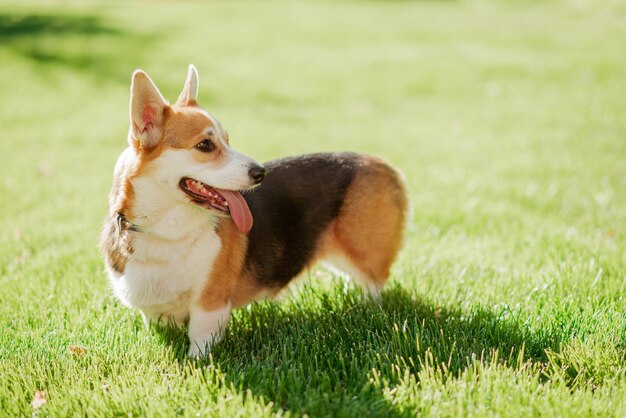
[[344, 266], [367, 234]]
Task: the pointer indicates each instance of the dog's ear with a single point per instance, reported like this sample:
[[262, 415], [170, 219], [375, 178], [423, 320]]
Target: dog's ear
[[189, 95], [147, 108]]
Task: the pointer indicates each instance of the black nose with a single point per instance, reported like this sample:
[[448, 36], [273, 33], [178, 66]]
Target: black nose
[[257, 173]]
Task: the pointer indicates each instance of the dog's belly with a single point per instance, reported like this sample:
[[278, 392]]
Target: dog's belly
[[163, 277]]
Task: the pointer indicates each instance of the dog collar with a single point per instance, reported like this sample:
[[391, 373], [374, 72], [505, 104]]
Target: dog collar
[[123, 224]]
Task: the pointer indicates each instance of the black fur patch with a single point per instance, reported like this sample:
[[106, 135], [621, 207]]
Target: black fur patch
[[291, 208]]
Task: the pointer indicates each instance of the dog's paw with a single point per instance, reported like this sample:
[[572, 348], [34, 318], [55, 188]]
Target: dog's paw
[[206, 329], [202, 348], [196, 351]]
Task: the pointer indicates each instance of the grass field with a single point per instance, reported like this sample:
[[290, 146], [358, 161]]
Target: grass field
[[508, 120]]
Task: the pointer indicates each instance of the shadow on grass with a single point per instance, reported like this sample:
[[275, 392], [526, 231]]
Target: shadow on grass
[[82, 43], [326, 352]]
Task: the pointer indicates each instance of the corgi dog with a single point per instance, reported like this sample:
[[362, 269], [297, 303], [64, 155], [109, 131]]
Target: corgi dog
[[195, 228]]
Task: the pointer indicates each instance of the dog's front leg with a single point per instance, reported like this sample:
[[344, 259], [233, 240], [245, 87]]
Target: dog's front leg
[[210, 310], [206, 327]]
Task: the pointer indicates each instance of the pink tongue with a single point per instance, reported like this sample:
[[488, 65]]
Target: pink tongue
[[239, 210]]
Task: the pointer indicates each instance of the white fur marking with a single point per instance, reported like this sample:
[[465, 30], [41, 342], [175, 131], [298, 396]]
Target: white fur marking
[[206, 328], [162, 276], [175, 164], [344, 267]]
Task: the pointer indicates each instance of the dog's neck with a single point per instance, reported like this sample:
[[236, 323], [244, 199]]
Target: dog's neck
[[158, 211]]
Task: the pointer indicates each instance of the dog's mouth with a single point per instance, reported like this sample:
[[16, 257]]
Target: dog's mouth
[[225, 201]]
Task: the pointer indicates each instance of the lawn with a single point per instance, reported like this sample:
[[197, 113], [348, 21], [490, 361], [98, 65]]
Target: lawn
[[508, 120]]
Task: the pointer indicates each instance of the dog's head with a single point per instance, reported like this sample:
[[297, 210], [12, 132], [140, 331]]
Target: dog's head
[[185, 150]]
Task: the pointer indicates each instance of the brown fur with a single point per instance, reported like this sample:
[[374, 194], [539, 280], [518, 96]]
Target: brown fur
[[117, 248], [368, 230], [227, 267], [117, 245], [247, 290], [183, 128]]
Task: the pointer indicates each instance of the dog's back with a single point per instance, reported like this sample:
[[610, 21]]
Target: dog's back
[[343, 207]]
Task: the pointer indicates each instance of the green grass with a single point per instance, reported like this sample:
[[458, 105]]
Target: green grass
[[509, 297]]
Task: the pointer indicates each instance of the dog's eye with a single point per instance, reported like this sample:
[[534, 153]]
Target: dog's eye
[[205, 146]]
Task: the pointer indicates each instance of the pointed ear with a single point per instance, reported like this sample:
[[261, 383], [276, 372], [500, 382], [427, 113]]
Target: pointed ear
[[147, 107], [189, 95]]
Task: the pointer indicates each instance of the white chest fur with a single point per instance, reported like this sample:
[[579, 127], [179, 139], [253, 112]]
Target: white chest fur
[[162, 277], [171, 261]]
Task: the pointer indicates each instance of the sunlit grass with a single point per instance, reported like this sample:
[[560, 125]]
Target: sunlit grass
[[508, 298]]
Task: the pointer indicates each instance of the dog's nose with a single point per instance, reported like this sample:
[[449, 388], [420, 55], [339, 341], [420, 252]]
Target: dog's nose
[[257, 173]]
